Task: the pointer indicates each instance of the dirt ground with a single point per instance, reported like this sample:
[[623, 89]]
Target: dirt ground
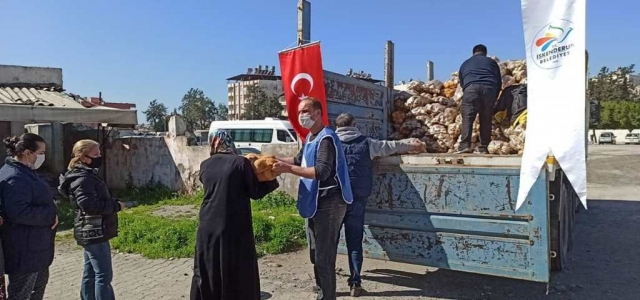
[[603, 263]]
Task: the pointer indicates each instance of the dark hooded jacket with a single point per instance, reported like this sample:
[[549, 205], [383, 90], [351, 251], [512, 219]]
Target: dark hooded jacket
[[96, 212]]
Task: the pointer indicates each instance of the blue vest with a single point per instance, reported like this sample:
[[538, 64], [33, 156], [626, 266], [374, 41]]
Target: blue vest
[[360, 166], [308, 190]]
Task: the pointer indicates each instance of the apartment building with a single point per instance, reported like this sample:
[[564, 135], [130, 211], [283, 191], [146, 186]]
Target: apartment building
[[237, 89]]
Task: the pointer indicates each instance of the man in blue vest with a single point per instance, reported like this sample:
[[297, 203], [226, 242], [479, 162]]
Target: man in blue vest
[[360, 151], [323, 193]]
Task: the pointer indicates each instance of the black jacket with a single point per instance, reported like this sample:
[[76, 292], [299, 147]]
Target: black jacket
[[97, 213], [480, 69], [28, 212]]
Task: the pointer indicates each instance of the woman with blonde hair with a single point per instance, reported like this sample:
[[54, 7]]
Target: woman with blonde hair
[[96, 219]]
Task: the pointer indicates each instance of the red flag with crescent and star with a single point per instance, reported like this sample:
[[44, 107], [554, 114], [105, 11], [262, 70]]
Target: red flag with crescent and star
[[303, 77]]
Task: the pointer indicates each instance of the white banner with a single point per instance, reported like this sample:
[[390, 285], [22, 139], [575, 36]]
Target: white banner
[[554, 34]]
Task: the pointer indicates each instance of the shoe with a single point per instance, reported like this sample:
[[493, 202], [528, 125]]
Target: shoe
[[464, 151], [482, 151], [357, 291], [314, 289]]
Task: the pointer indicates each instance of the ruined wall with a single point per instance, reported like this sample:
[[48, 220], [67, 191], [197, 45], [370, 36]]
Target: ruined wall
[[17, 76], [288, 182], [139, 161]]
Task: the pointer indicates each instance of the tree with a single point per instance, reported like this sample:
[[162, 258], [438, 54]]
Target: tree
[[223, 112], [197, 110], [156, 114], [613, 85], [261, 105], [620, 115]]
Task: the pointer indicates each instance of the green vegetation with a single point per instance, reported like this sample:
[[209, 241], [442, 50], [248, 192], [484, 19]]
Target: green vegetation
[[619, 101], [277, 226]]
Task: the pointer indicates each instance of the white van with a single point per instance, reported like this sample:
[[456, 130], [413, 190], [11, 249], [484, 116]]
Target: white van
[[255, 133]]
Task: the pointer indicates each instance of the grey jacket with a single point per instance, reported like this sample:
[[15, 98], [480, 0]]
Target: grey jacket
[[377, 148]]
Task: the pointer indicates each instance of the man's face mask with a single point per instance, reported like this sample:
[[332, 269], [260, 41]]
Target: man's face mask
[[306, 120]]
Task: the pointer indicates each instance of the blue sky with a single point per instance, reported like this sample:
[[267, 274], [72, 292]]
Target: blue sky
[[137, 51]]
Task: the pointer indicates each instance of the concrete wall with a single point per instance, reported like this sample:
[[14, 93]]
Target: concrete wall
[[30, 76], [138, 161], [288, 182]]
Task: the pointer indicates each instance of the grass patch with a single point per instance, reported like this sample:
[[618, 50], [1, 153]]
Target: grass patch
[[277, 226]]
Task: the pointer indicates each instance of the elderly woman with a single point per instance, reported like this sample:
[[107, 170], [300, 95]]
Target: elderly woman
[[225, 265]]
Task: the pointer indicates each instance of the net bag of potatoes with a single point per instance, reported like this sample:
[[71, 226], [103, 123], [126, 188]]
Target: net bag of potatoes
[[262, 165]]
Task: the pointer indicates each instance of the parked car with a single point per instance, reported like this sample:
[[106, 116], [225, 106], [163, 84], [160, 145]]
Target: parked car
[[607, 138], [632, 138]]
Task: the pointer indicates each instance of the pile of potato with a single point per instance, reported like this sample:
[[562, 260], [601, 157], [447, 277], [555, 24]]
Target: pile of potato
[[430, 112]]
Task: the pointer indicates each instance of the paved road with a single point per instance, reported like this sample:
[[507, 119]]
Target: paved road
[[603, 263]]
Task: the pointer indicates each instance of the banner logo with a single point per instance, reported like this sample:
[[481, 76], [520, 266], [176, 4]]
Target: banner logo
[[552, 44]]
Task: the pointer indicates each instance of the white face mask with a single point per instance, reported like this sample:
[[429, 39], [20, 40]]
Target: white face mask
[[305, 121], [38, 162]]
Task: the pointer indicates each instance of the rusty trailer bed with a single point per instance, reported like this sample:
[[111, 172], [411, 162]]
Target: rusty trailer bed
[[458, 212]]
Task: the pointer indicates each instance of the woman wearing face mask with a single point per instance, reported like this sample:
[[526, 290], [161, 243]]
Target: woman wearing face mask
[[29, 217], [96, 219]]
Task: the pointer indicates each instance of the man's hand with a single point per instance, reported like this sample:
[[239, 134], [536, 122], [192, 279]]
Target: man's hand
[[418, 146], [286, 160], [281, 167], [55, 224]]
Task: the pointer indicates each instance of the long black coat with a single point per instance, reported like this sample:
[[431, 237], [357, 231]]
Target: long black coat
[[29, 212], [226, 266]]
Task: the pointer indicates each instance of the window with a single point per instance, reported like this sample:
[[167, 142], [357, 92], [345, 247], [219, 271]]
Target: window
[[240, 135], [293, 134], [251, 135], [284, 136], [262, 135]]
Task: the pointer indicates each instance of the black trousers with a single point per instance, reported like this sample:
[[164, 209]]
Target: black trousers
[[28, 286], [323, 232], [477, 99]]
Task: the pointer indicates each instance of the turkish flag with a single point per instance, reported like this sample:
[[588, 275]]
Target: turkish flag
[[302, 77]]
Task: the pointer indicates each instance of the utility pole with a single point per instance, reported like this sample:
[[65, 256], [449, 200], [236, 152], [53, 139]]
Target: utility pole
[[304, 22], [388, 65]]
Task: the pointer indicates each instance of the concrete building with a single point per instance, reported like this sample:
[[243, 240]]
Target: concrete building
[[635, 80], [237, 89], [32, 99], [90, 102]]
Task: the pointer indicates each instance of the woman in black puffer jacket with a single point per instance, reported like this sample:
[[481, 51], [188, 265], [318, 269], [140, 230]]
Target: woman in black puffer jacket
[[96, 220]]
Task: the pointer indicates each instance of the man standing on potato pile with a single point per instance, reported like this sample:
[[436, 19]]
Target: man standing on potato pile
[[481, 82], [360, 151], [323, 193]]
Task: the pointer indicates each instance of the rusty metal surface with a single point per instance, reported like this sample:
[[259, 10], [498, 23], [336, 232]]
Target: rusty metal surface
[[367, 102], [459, 218], [352, 91]]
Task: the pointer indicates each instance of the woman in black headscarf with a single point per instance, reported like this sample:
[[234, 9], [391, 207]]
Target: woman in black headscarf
[[226, 266]]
